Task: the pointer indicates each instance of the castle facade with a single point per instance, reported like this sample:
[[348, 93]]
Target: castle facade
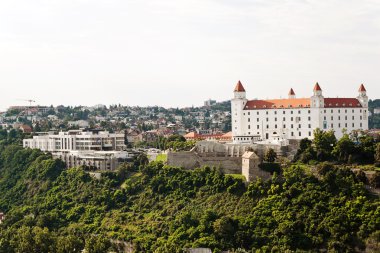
[[296, 118]]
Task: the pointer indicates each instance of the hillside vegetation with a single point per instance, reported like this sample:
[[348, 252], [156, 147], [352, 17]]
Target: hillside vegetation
[[156, 208]]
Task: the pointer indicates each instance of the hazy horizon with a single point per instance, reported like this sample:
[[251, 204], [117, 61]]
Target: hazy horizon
[[181, 53]]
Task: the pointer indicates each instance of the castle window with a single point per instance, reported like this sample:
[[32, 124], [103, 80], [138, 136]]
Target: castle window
[[299, 125], [284, 126], [332, 117], [324, 111], [249, 126], [275, 126], [353, 117], [308, 111], [339, 111], [291, 112], [324, 117], [353, 124], [283, 119], [267, 112], [283, 112], [361, 125], [249, 113], [257, 119], [352, 110], [332, 125], [292, 134], [258, 126], [309, 125], [332, 110], [299, 133], [361, 117], [299, 112], [345, 117], [275, 112], [339, 125], [338, 117], [345, 124], [257, 113], [291, 119], [249, 119], [360, 110], [267, 126], [309, 133], [291, 126], [267, 119], [275, 119], [309, 118]]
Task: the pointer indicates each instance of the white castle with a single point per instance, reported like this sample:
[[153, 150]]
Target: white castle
[[295, 118]]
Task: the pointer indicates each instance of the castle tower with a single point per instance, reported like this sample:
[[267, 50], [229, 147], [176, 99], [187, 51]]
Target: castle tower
[[363, 96], [237, 107], [291, 94], [317, 100]]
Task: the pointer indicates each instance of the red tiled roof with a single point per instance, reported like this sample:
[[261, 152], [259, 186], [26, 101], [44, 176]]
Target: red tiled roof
[[277, 103], [291, 92], [362, 88], [341, 102], [239, 87], [191, 135], [229, 134], [317, 87]]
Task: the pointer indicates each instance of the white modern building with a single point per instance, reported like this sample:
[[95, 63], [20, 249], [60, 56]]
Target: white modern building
[[94, 149], [77, 140], [295, 118]]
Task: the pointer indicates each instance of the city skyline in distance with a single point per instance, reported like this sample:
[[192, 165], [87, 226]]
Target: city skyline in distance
[[178, 54]]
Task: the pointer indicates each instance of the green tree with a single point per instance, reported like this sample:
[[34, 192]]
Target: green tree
[[344, 148], [324, 143], [377, 154], [270, 155]]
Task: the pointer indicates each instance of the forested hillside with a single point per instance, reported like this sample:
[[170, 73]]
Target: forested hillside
[[155, 208]]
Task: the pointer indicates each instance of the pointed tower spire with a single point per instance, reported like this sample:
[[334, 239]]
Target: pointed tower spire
[[363, 98], [317, 87], [239, 87], [362, 88], [291, 94]]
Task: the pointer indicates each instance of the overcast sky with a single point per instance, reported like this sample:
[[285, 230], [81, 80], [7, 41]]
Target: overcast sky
[[182, 52]]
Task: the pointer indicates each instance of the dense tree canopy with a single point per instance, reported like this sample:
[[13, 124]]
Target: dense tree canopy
[[157, 208]]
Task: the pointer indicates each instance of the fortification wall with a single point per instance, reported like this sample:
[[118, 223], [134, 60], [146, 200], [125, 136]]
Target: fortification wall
[[191, 160]]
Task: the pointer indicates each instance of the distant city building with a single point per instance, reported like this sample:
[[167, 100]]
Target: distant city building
[[77, 140], [26, 129], [225, 137], [133, 136], [209, 102], [79, 123], [98, 149], [100, 160], [295, 118]]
